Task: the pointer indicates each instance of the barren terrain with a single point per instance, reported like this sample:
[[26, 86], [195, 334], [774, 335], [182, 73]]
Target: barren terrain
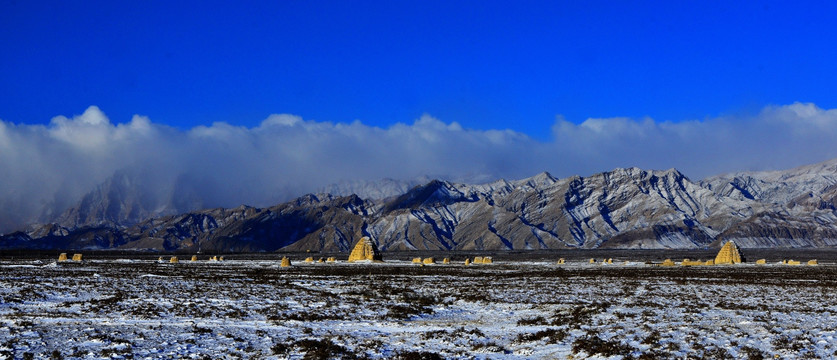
[[137, 307]]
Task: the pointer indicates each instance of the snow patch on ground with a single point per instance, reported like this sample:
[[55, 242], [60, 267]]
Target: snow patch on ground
[[256, 309]]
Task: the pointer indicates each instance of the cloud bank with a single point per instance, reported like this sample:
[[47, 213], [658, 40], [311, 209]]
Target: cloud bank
[[45, 169]]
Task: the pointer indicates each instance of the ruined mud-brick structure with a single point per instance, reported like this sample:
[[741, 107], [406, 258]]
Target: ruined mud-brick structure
[[728, 255], [62, 257], [76, 257], [428, 261], [173, 259], [687, 262], [365, 249], [285, 262]]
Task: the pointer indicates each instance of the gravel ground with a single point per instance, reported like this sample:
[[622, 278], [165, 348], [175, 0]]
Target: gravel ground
[[252, 308]]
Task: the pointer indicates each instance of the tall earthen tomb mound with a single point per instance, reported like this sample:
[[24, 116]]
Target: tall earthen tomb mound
[[365, 249], [728, 255]]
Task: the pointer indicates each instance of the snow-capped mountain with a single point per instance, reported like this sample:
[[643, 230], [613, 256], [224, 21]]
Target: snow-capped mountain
[[542, 212], [127, 198], [794, 208], [814, 185], [373, 190], [623, 208], [119, 200]]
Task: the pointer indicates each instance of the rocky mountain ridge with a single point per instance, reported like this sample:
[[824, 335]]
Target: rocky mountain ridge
[[623, 208], [124, 199], [793, 208]]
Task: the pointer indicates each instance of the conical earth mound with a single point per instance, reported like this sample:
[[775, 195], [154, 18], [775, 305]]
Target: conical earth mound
[[728, 255], [365, 249]]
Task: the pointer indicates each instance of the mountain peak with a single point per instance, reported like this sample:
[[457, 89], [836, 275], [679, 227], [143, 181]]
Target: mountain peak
[[544, 178], [434, 191], [622, 208]]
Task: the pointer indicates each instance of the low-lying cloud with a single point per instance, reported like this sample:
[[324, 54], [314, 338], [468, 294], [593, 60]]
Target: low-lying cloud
[[46, 168]]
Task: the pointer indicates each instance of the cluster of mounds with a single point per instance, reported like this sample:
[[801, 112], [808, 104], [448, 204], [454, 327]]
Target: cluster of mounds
[[176, 260], [63, 257], [366, 252], [730, 255]]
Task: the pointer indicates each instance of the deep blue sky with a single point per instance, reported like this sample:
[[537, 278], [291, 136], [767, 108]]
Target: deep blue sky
[[484, 64]]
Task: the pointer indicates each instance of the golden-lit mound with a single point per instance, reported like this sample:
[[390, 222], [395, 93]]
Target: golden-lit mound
[[728, 254], [365, 249]]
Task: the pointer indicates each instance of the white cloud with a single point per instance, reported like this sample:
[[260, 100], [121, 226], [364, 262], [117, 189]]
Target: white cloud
[[778, 137], [48, 168]]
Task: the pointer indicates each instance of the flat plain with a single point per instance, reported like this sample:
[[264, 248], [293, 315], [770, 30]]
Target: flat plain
[[520, 307]]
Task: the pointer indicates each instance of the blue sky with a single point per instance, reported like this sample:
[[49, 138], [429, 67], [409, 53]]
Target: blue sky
[[206, 104], [483, 64]]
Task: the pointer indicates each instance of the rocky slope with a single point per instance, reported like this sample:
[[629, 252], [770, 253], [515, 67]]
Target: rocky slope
[[623, 208], [126, 199], [546, 213], [814, 186], [792, 208]]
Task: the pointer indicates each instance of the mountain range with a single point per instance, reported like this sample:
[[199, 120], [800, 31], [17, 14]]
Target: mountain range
[[624, 208]]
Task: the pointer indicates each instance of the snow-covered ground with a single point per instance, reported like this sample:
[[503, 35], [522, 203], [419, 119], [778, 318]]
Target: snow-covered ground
[[255, 309]]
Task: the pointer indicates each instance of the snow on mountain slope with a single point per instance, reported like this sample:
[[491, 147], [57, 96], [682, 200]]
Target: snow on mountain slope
[[126, 199], [818, 181], [373, 190], [542, 212], [622, 208], [792, 208]]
